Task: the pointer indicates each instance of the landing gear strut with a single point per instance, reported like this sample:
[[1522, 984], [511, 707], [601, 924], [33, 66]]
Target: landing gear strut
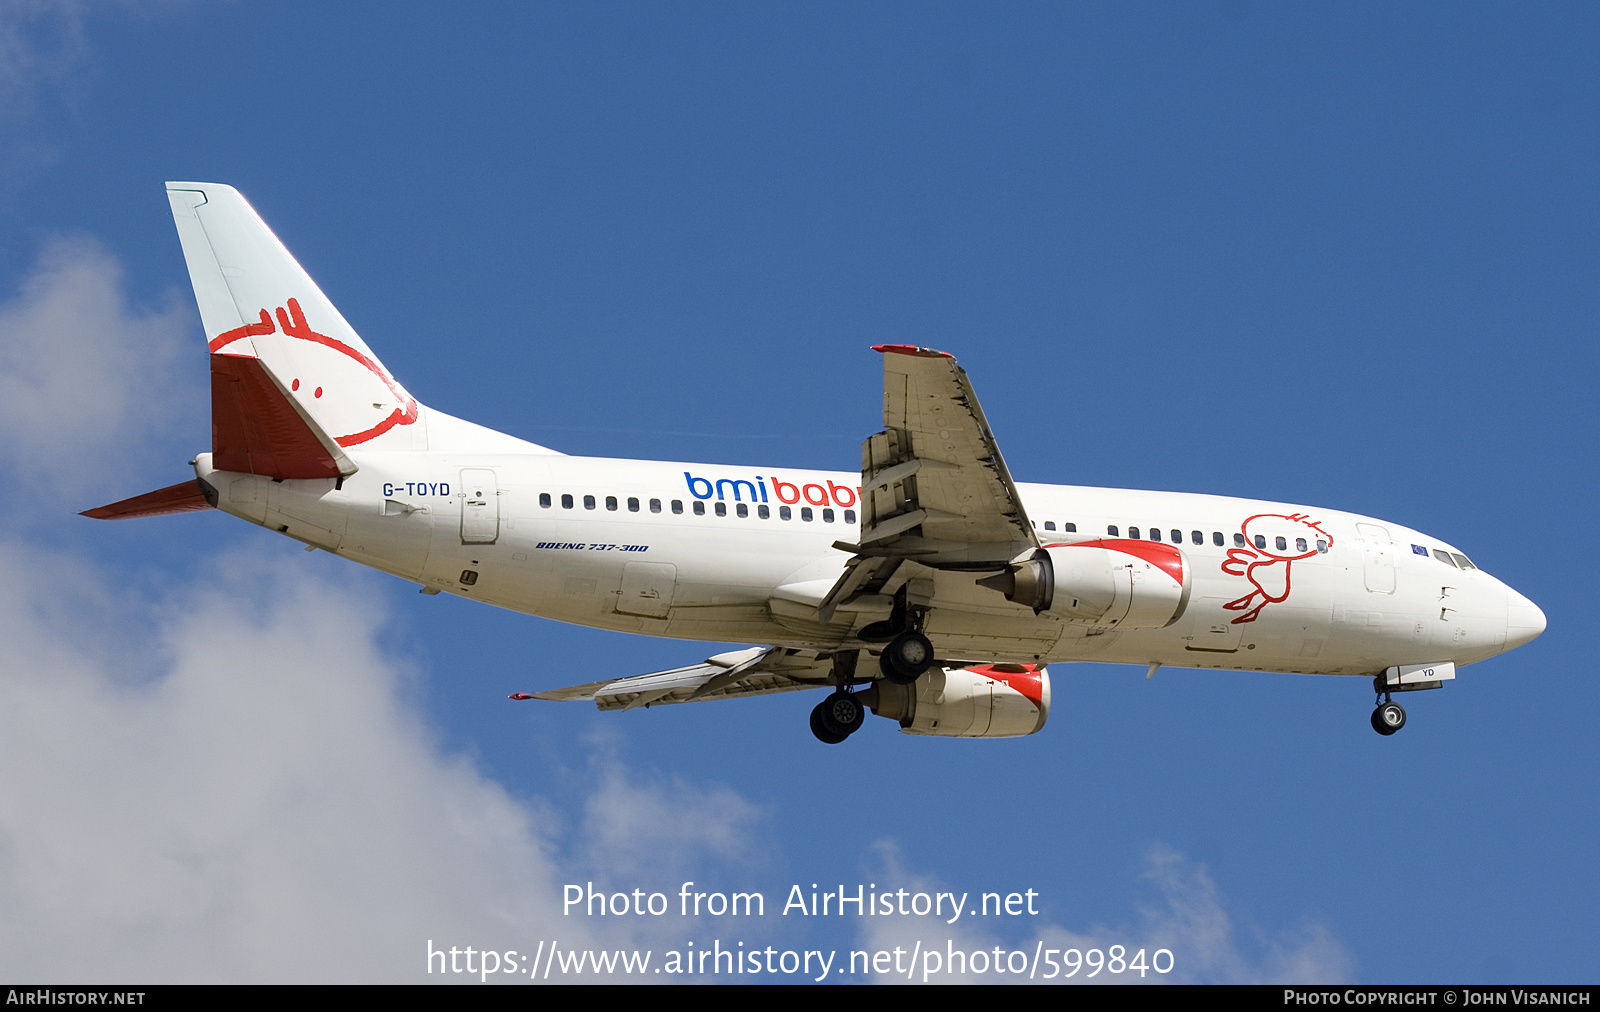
[[842, 713], [907, 653]]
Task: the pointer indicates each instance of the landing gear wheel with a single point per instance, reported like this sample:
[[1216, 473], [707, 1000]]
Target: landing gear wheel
[[906, 657], [842, 713], [1388, 718], [820, 729]]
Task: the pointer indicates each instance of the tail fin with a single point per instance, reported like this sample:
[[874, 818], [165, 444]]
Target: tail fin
[[257, 303]]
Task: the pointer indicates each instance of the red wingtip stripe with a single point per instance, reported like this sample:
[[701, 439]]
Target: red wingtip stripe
[[911, 349]]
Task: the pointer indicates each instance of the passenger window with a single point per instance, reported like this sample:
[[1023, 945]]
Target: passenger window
[[1444, 557], [655, 505], [1177, 537], [566, 502], [633, 505], [1217, 539], [827, 516], [1133, 532], [763, 512], [588, 502], [677, 505], [1322, 547], [1112, 530], [1155, 534], [722, 509], [1238, 540], [1462, 560], [1282, 544], [849, 516], [699, 508], [741, 509], [805, 514], [1299, 544], [611, 503], [1070, 528], [1197, 537], [785, 513], [1261, 541], [544, 499], [1049, 525]]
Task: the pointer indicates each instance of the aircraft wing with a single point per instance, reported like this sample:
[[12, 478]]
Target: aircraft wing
[[757, 671], [935, 489]]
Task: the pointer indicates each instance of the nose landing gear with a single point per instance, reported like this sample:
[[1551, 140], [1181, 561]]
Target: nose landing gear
[[1389, 717]]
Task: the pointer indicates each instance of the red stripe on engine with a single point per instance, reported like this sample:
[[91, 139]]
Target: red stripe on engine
[[1163, 556]]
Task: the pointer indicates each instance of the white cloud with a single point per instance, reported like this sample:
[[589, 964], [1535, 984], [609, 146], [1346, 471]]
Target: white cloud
[[1191, 921], [226, 786], [263, 809], [664, 830], [86, 380]]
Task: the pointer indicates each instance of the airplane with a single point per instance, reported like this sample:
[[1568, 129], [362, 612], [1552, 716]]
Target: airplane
[[929, 588]]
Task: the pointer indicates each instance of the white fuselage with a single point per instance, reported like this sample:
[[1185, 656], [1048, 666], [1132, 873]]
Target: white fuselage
[[631, 553]]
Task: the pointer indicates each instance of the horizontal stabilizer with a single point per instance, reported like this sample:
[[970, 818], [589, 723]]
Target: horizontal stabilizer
[[258, 428], [184, 497]]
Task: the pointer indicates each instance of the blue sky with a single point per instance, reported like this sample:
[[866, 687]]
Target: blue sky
[[1326, 254]]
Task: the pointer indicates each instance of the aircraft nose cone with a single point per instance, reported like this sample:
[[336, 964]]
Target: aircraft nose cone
[[1524, 620]]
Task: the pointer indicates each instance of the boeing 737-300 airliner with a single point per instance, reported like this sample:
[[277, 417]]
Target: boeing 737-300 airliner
[[929, 588]]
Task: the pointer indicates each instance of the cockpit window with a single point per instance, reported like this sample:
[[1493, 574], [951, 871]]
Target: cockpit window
[[1462, 560], [1444, 557]]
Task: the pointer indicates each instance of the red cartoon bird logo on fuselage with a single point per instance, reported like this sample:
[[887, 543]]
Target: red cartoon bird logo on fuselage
[[1280, 540]]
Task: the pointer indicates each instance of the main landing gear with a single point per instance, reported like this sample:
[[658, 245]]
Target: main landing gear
[[907, 654], [906, 657], [842, 713], [837, 717]]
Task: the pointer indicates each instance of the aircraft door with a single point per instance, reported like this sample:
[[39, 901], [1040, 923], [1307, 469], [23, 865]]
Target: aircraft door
[[647, 589], [480, 507], [1377, 558]]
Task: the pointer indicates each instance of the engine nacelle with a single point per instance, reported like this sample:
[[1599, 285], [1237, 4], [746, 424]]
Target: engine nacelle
[[1110, 583], [988, 701]]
